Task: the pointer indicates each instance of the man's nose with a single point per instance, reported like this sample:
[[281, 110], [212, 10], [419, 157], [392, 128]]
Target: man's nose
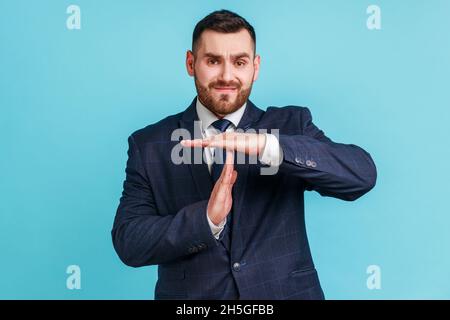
[[227, 72]]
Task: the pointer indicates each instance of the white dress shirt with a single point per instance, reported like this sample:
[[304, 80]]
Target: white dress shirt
[[269, 156]]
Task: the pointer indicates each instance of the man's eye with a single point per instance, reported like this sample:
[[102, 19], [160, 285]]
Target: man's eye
[[212, 61], [240, 63]]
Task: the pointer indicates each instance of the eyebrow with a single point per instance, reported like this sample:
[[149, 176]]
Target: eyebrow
[[233, 56]]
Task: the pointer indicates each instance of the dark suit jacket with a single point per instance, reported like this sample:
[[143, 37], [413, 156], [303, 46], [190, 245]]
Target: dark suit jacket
[[263, 253]]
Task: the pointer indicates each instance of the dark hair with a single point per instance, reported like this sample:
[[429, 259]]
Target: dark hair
[[222, 21]]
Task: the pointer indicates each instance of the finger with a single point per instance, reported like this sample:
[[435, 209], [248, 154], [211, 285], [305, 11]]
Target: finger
[[224, 187], [220, 187], [230, 185], [232, 181], [229, 158], [191, 143], [233, 177], [223, 141], [229, 198], [222, 192], [228, 203], [224, 174], [217, 143], [221, 183], [229, 164], [228, 168], [223, 195]]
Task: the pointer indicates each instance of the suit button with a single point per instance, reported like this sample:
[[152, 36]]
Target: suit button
[[298, 160], [308, 163], [313, 164], [236, 266], [193, 250]]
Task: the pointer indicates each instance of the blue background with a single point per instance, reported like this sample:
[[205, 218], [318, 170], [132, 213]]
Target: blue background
[[70, 98]]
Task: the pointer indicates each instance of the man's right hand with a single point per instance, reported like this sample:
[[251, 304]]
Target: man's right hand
[[221, 200]]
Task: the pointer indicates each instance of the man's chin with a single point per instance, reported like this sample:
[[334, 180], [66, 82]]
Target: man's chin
[[223, 108], [225, 96]]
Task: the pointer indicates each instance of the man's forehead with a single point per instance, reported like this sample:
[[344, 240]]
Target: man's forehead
[[233, 44]]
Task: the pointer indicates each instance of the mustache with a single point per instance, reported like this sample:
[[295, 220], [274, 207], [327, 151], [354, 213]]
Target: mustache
[[222, 84]]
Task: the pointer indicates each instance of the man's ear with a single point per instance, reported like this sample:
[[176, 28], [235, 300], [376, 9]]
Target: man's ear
[[190, 62], [256, 65]]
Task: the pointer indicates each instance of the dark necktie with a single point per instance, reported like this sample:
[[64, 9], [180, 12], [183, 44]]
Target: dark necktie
[[216, 168]]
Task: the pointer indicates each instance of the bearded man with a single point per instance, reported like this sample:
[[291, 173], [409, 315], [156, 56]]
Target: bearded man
[[223, 229]]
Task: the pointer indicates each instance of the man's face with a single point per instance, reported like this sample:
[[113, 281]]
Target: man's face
[[224, 69]]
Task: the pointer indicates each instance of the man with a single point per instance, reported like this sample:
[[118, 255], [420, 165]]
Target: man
[[228, 231]]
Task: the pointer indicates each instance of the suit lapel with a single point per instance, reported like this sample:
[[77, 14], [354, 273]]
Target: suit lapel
[[200, 172]]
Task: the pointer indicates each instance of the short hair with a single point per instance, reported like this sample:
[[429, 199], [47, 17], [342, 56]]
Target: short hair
[[223, 21]]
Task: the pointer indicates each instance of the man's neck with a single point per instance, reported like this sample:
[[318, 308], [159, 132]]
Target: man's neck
[[207, 116]]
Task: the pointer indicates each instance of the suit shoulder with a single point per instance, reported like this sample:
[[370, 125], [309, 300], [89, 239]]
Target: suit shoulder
[[157, 131], [290, 109], [290, 112]]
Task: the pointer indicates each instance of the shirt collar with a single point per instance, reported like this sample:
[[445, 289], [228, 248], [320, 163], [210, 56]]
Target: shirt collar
[[207, 117]]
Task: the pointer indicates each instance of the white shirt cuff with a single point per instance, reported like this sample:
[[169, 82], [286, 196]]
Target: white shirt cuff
[[216, 230], [271, 154]]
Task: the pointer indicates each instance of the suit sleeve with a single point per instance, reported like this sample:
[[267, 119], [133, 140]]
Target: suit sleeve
[[143, 237], [343, 171]]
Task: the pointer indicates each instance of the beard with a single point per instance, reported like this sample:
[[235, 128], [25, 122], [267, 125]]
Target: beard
[[225, 104]]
